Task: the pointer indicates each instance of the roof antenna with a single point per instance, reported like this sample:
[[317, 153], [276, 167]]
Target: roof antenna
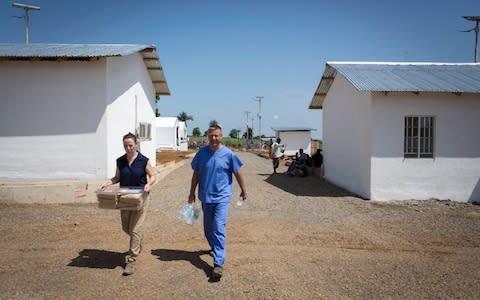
[[475, 19], [25, 8]]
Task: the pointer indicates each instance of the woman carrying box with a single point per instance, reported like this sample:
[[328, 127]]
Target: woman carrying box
[[132, 171]]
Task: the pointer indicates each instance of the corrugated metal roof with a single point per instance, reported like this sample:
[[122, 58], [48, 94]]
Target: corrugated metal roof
[[401, 77], [90, 51], [292, 128], [69, 50]]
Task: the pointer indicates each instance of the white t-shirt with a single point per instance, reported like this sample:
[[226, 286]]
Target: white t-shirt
[[277, 150]]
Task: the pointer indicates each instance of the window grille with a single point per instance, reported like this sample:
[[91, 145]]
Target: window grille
[[145, 131], [418, 142]]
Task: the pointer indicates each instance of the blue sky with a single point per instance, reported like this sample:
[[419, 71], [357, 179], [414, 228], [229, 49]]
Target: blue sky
[[219, 55]]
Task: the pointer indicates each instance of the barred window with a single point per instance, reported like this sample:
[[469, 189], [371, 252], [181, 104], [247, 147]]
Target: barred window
[[144, 131], [418, 142]]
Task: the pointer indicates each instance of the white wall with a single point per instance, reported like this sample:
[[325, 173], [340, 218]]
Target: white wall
[[294, 140], [130, 100], [453, 173], [171, 134], [346, 137], [165, 128], [182, 136], [53, 124], [166, 138], [49, 118]]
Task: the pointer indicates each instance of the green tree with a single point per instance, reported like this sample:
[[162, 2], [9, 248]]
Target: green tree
[[196, 131], [248, 134], [234, 133], [213, 123], [183, 116]]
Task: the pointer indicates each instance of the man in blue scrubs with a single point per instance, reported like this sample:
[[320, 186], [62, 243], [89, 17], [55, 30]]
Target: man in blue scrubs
[[213, 166]]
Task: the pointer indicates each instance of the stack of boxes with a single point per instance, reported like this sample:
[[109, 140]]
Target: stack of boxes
[[124, 198]]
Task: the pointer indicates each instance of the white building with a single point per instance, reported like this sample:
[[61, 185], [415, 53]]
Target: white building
[[182, 136], [295, 138], [65, 108], [171, 134], [402, 130]]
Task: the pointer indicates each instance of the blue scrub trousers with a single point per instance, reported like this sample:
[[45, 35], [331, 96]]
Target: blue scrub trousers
[[215, 217]]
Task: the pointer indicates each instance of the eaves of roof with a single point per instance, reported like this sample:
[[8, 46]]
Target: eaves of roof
[[400, 77], [61, 52]]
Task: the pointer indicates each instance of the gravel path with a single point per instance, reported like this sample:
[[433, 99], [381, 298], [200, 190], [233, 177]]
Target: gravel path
[[294, 238]]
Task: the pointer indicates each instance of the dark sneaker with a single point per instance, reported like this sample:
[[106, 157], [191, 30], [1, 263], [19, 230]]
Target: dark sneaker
[[217, 272], [129, 268]]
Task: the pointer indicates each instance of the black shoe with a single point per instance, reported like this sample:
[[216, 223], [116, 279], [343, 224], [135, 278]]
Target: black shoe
[[217, 272]]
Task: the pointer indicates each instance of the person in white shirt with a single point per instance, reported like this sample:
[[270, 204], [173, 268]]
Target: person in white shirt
[[277, 153]]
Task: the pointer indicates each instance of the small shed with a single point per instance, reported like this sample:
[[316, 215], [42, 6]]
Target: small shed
[[399, 131], [294, 138], [171, 134]]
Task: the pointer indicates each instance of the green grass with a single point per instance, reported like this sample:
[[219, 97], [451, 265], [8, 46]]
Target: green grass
[[227, 141]]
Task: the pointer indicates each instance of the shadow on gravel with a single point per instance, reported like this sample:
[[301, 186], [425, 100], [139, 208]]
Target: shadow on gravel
[[307, 186], [191, 256], [100, 259]]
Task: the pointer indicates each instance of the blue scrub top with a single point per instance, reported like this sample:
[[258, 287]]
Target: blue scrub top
[[215, 171], [135, 174]]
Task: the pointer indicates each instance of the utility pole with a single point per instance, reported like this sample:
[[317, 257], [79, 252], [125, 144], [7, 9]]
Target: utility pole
[[247, 113], [253, 119], [475, 19], [238, 133], [25, 16], [259, 99]]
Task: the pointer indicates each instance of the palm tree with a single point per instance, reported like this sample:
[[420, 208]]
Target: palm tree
[[183, 116]]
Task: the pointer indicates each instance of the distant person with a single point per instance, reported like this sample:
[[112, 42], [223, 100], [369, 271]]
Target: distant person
[[317, 159], [303, 157], [213, 166], [277, 153], [291, 167], [299, 165], [270, 143], [133, 170], [303, 161]]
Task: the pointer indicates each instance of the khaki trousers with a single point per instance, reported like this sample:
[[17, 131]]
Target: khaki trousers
[[132, 221]]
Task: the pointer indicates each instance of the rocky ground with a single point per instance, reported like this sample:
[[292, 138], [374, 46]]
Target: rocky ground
[[294, 238]]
